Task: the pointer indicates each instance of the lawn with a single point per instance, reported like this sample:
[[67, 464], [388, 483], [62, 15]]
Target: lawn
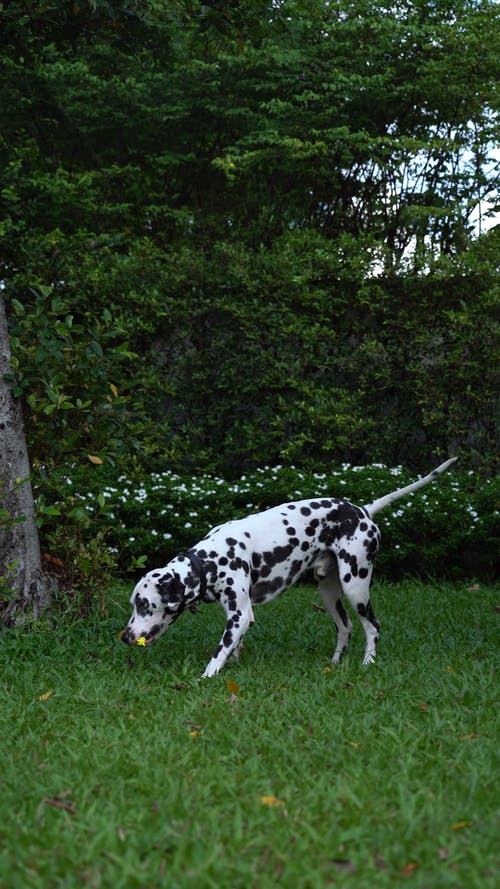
[[120, 769]]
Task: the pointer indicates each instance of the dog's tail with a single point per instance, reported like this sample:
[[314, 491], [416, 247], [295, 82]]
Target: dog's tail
[[382, 502]]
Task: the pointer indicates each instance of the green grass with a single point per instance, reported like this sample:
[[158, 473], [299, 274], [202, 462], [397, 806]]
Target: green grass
[[130, 773]]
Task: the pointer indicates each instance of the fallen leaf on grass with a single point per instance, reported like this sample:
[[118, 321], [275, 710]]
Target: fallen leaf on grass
[[46, 695], [95, 460], [59, 801], [233, 687], [423, 705], [470, 737], [355, 745], [195, 727], [474, 588], [271, 801], [409, 868], [459, 825], [443, 854]]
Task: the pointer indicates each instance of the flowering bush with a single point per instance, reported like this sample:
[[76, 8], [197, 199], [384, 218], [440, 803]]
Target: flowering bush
[[446, 529]]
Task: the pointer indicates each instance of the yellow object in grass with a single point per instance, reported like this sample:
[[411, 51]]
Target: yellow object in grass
[[141, 640]]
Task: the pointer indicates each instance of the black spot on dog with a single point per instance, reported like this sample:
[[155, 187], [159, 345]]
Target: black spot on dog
[[223, 560], [277, 555], [230, 596], [170, 589], [346, 578], [231, 541], [363, 526], [154, 630], [305, 546], [295, 569], [328, 535], [367, 612], [371, 547], [342, 613], [291, 506], [305, 510], [264, 589], [363, 572], [311, 528], [142, 606]]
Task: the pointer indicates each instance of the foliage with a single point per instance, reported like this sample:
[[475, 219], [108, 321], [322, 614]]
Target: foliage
[[236, 235], [67, 358], [172, 781], [261, 214], [280, 358], [450, 529]]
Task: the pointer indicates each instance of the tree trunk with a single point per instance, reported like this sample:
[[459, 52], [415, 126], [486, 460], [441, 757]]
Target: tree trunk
[[23, 583]]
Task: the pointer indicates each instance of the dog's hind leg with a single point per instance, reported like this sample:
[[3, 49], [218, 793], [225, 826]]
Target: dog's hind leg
[[357, 589], [331, 593]]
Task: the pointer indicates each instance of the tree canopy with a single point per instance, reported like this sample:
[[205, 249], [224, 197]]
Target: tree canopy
[[246, 232]]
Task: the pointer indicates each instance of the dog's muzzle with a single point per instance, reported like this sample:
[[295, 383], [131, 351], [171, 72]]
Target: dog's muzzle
[[127, 636]]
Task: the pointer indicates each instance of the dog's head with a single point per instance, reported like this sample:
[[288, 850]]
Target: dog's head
[[157, 601]]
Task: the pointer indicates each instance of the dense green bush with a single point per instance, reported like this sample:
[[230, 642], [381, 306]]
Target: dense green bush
[[445, 530], [238, 242]]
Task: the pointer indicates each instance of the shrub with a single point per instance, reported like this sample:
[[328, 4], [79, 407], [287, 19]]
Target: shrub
[[448, 529]]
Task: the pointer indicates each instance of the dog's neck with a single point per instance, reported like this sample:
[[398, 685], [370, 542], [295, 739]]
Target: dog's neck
[[199, 569]]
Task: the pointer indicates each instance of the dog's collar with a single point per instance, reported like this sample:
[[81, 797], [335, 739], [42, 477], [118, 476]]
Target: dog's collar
[[199, 568]]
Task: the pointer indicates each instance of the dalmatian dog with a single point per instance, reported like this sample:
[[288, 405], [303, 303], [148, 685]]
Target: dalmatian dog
[[247, 562]]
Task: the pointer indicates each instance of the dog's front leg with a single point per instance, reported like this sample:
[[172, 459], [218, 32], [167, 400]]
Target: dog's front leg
[[239, 619]]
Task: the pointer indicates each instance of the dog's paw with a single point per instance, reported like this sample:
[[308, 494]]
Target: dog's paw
[[211, 670]]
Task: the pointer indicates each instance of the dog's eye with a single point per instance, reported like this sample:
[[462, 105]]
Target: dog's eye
[[142, 605]]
